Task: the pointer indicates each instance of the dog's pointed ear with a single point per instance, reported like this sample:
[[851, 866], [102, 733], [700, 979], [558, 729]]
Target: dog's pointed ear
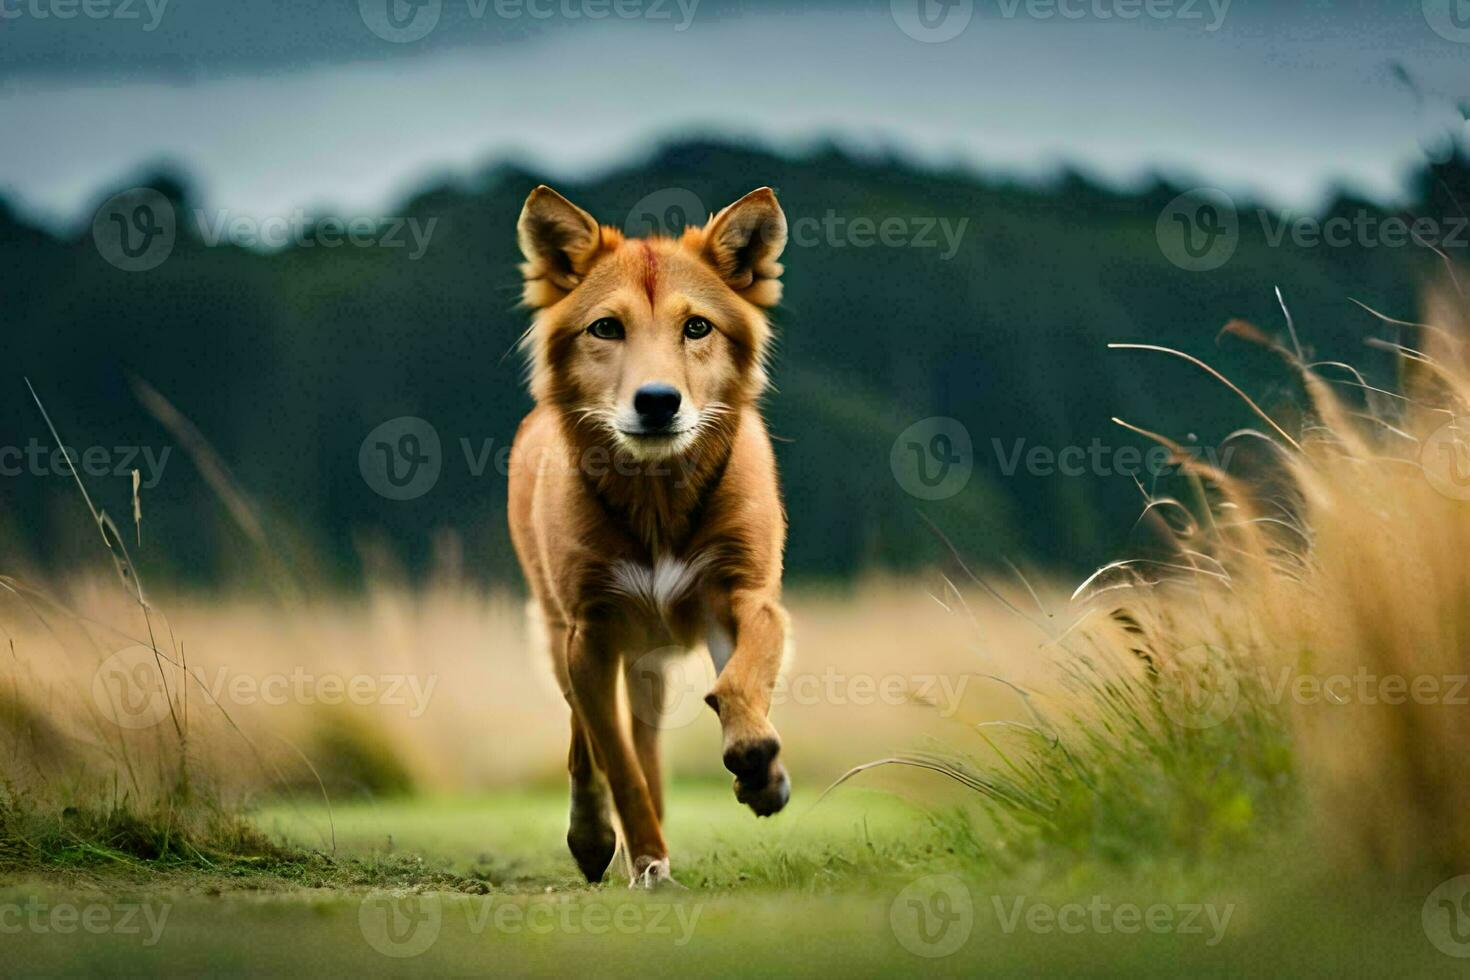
[[744, 241], [560, 241]]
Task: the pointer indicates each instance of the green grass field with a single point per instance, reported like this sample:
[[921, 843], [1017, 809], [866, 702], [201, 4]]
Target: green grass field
[[862, 885]]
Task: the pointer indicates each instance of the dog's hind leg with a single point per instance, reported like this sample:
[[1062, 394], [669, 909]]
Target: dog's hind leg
[[590, 835], [593, 666]]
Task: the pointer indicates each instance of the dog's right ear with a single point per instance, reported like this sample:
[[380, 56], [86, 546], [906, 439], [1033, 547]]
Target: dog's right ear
[[560, 241]]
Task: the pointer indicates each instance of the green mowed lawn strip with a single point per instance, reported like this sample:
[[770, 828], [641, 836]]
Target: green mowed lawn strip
[[516, 840], [861, 885]]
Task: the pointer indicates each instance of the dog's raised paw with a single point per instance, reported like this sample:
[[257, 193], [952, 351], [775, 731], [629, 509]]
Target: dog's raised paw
[[761, 782]]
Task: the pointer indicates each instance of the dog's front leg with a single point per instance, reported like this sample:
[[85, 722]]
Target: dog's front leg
[[592, 664], [742, 698]]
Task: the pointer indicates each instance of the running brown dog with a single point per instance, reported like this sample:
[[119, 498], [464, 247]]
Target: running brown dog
[[644, 504]]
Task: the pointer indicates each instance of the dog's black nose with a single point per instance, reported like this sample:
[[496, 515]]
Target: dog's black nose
[[656, 405]]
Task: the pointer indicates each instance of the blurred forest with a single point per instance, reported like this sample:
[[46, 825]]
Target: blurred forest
[[284, 361]]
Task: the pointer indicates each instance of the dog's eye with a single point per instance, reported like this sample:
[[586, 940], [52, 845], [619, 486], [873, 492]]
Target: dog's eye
[[606, 329], [696, 327]]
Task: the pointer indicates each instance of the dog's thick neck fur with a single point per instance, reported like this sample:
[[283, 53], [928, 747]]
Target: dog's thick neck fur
[[657, 502]]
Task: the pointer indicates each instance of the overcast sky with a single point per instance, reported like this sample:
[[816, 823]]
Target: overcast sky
[[271, 106]]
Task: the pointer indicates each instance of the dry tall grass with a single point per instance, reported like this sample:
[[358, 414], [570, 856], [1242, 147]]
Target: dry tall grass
[[1348, 598], [1308, 627], [437, 691]]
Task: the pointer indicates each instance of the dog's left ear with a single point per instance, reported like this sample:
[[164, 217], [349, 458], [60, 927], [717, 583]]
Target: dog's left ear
[[744, 241]]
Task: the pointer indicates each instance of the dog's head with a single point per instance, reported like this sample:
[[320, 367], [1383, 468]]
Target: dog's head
[[650, 342]]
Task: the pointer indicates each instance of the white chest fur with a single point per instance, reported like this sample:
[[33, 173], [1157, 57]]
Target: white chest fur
[[666, 583], [659, 587]]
